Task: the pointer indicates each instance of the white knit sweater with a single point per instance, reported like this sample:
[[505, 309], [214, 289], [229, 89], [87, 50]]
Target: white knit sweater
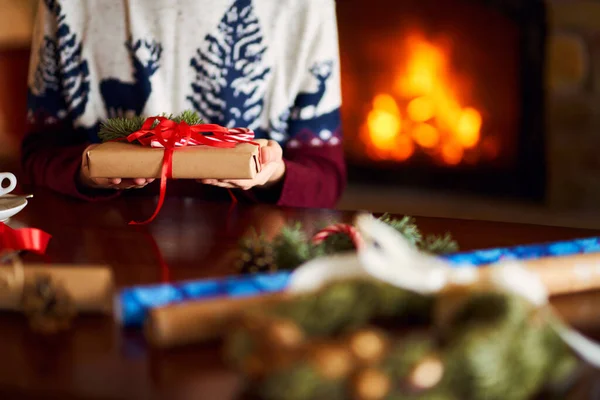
[[270, 65]]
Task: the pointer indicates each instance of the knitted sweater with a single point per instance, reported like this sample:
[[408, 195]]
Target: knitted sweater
[[269, 65]]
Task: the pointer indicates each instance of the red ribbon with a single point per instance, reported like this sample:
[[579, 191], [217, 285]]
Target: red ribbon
[[345, 229], [30, 239], [172, 136]]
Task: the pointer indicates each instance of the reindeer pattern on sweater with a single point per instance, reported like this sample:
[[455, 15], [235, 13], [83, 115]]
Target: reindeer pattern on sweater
[[270, 65]]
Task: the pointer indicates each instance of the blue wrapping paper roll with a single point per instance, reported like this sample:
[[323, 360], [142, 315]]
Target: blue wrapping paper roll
[[132, 304]]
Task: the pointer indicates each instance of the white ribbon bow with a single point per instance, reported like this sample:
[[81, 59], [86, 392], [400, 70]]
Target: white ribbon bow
[[388, 257]]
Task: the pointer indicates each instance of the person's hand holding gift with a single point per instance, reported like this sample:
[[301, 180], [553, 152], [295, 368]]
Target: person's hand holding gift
[[107, 183], [273, 170]]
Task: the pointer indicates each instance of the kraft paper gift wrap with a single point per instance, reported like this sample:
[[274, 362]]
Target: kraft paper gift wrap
[[127, 160], [91, 287]]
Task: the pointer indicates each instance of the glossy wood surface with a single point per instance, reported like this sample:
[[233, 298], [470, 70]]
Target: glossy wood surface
[[99, 360]]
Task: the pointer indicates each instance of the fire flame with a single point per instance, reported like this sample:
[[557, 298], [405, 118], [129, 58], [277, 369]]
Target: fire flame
[[423, 112]]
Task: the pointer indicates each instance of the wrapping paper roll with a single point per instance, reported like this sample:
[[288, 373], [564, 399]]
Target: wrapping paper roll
[[91, 288], [134, 303], [527, 252], [197, 321], [569, 274]]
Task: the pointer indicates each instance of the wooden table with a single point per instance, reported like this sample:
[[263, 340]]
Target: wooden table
[[99, 360]]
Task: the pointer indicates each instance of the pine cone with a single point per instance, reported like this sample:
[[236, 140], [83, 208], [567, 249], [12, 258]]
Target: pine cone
[[48, 305], [255, 255]]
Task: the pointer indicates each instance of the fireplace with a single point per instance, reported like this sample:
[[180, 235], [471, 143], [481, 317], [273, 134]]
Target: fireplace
[[446, 95]]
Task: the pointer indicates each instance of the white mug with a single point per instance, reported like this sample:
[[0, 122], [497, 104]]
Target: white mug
[[12, 179]]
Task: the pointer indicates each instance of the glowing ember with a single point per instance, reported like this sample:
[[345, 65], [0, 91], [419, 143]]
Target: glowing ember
[[468, 127], [421, 109], [384, 122], [426, 136], [424, 111]]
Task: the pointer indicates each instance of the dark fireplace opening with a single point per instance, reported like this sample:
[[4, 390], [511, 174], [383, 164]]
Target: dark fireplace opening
[[445, 95]]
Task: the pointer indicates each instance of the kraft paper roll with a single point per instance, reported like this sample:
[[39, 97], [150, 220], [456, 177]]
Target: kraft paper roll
[[198, 321], [91, 287], [202, 320], [564, 275]]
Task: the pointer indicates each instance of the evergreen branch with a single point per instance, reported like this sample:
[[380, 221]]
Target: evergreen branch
[[406, 227], [490, 345], [291, 247], [444, 244], [119, 128], [190, 117]]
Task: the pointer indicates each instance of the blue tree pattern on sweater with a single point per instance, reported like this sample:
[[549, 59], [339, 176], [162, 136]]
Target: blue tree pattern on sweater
[[301, 123], [61, 85], [230, 74], [128, 99]]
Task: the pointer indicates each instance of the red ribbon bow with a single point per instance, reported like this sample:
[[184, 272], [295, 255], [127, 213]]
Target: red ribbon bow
[[173, 135], [30, 239]]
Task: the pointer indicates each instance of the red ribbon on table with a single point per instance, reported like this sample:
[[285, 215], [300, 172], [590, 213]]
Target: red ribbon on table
[[172, 135], [29, 239], [345, 229]]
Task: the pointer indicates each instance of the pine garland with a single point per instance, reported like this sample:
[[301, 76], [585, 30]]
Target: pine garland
[[494, 346], [405, 226], [119, 128], [433, 244], [292, 247]]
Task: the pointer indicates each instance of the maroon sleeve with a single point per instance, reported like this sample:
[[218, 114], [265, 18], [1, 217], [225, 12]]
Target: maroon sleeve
[[315, 177], [49, 161]]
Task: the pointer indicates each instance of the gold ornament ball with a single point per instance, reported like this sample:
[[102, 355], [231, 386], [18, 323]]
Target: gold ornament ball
[[284, 334], [371, 384], [332, 361], [368, 345]]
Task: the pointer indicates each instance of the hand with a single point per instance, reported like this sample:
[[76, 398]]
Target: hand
[[273, 170], [107, 183]]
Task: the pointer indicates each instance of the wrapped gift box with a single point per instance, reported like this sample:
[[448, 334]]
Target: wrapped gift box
[[127, 160]]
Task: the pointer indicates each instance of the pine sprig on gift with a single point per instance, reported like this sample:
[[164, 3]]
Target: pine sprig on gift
[[118, 128], [435, 244], [291, 247], [190, 117], [406, 226]]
